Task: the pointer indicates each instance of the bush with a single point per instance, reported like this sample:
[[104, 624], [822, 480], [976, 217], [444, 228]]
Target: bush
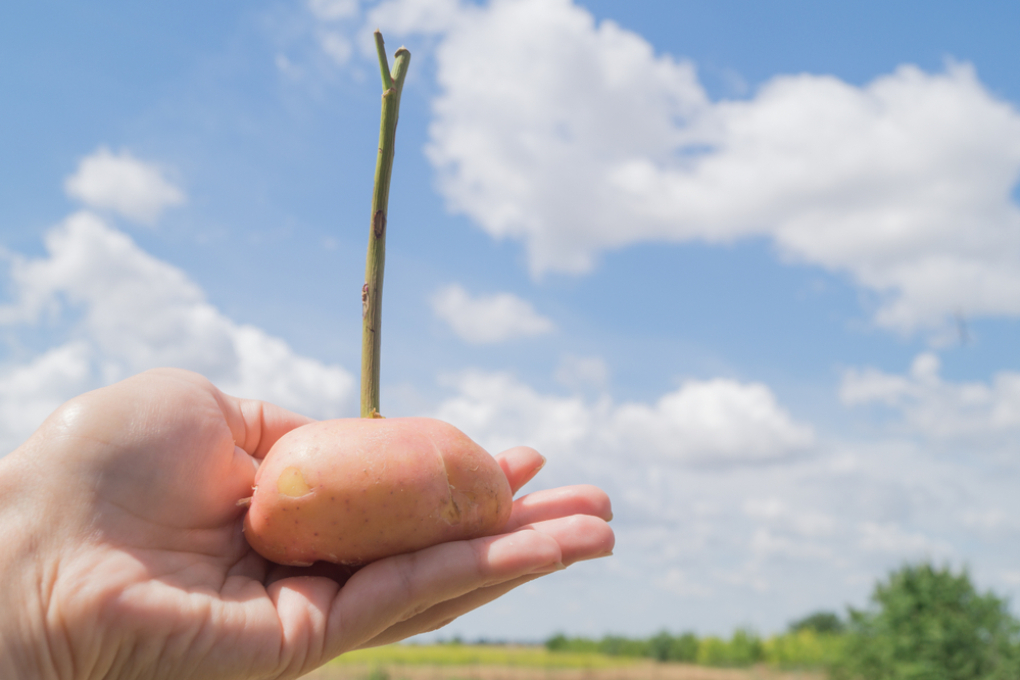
[[557, 643], [684, 648], [561, 643], [820, 622], [804, 648], [930, 623], [615, 645], [665, 647], [743, 649]]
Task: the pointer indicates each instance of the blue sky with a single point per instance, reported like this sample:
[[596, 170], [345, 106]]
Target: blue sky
[[752, 267]]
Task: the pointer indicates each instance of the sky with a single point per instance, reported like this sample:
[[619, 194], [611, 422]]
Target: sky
[[752, 268]]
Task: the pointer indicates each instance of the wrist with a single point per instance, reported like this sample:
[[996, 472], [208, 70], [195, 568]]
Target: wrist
[[25, 650]]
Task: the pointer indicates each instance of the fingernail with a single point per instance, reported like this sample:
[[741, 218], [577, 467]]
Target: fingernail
[[608, 553], [549, 568]]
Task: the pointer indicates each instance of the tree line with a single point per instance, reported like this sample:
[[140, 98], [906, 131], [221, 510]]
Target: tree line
[[922, 622]]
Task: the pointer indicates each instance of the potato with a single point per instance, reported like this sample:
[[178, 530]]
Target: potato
[[355, 490]]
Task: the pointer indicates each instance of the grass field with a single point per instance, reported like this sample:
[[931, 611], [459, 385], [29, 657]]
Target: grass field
[[500, 662]]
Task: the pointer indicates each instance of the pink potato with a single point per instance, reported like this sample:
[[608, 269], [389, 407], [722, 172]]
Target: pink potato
[[355, 490]]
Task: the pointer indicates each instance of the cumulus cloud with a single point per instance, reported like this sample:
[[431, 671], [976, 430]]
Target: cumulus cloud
[[330, 10], [697, 512], [579, 373], [488, 319], [136, 190], [936, 408], [499, 411], [777, 512], [716, 421], [336, 45], [29, 392], [575, 137], [131, 312], [891, 538], [418, 16]]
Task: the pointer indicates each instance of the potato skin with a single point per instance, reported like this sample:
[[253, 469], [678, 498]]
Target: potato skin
[[355, 490]]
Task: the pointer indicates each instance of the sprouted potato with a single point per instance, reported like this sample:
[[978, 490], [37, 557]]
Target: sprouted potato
[[355, 490]]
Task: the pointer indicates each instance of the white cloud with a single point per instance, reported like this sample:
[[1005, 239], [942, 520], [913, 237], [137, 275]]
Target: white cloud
[[488, 319], [680, 583], [579, 373], [561, 97], [890, 538], [767, 543], [30, 392], [287, 68], [136, 190], [337, 46], [935, 408], [801, 521], [331, 10], [401, 17], [131, 312], [499, 412], [269, 369], [688, 529], [716, 421], [576, 138]]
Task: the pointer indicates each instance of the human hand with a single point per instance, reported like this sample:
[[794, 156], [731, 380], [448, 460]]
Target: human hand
[[123, 556]]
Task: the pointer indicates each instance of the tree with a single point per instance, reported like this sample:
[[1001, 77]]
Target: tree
[[930, 623], [743, 649], [659, 646], [665, 647], [825, 623], [684, 648]]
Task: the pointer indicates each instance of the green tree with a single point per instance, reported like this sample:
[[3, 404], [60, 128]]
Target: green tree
[[819, 622], [930, 624], [561, 643], [743, 649], [684, 648], [659, 646], [666, 647], [617, 645], [557, 643], [804, 649]]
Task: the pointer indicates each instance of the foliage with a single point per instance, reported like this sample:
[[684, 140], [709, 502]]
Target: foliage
[[616, 645], [666, 647], [804, 648], [924, 623], [743, 649], [930, 623], [661, 647], [476, 655], [819, 622]]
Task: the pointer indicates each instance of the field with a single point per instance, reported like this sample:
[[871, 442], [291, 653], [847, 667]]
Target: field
[[508, 662]]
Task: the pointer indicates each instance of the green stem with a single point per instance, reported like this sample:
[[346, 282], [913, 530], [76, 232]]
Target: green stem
[[371, 292]]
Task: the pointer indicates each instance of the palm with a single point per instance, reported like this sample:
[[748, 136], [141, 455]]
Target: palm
[[157, 465]]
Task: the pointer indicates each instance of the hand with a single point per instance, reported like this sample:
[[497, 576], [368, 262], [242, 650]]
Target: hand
[[122, 553]]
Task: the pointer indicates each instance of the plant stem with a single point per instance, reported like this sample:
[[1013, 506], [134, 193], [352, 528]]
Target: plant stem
[[371, 292]]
